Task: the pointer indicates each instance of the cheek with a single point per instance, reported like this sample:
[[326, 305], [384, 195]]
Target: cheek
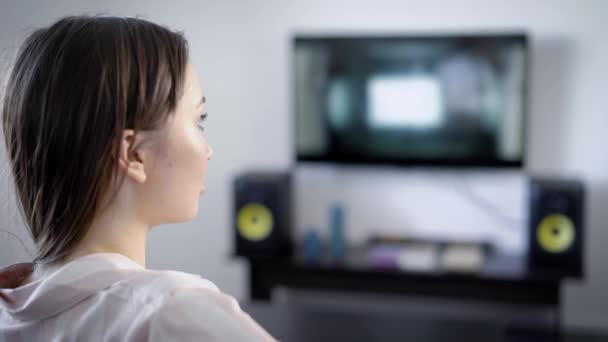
[[192, 163], [198, 148], [182, 176], [187, 155]]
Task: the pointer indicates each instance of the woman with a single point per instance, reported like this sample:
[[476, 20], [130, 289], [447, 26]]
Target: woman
[[102, 120]]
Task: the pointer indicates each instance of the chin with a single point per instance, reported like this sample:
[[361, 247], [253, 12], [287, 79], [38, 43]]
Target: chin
[[185, 214], [194, 210], [191, 213]]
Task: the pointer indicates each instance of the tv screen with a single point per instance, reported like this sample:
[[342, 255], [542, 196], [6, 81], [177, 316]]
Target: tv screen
[[456, 100]]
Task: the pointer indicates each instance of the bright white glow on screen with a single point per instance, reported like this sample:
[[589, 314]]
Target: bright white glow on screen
[[404, 102]]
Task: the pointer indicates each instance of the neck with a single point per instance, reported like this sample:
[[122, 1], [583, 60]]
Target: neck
[[128, 239], [104, 236], [117, 229]]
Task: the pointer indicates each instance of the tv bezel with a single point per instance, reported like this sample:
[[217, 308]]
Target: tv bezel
[[414, 162]]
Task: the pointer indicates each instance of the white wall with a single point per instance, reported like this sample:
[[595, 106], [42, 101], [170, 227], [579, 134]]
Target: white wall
[[240, 49]]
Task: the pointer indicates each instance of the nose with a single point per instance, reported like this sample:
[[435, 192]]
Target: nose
[[209, 153]]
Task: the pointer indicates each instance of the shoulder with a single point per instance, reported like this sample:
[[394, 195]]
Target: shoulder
[[149, 288], [188, 307], [201, 315], [161, 282]]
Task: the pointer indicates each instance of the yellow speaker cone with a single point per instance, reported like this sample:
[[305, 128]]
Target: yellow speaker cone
[[555, 233], [254, 222]]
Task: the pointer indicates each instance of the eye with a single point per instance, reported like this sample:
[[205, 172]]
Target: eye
[[200, 120]]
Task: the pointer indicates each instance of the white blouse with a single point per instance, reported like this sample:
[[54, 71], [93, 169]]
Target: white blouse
[[109, 297]]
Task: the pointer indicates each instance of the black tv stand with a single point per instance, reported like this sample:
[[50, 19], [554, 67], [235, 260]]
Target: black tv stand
[[533, 299]]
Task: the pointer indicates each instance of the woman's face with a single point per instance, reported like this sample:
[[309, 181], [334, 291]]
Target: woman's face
[[177, 177]]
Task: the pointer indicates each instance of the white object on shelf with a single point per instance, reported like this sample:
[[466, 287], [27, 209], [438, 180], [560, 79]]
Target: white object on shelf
[[418, 257], [462, 258]]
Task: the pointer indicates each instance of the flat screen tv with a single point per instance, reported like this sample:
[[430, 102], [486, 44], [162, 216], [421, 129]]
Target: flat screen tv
[[416, 100]]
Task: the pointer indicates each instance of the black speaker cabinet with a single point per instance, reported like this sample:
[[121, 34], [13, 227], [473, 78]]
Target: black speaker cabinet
[[556, 227], [262, 215]]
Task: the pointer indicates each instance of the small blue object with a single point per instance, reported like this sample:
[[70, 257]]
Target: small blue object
[[337, 244], [312, 246]]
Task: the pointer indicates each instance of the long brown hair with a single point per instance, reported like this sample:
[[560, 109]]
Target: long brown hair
[[75, 86]]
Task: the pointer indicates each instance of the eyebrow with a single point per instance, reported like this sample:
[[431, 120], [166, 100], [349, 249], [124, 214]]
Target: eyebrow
[[203, 100]]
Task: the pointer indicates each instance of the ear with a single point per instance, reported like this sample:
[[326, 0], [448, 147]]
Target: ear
[[131, 157]]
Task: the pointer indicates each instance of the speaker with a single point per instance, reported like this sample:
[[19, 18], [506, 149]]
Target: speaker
[[556, 227], [262, 215]]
